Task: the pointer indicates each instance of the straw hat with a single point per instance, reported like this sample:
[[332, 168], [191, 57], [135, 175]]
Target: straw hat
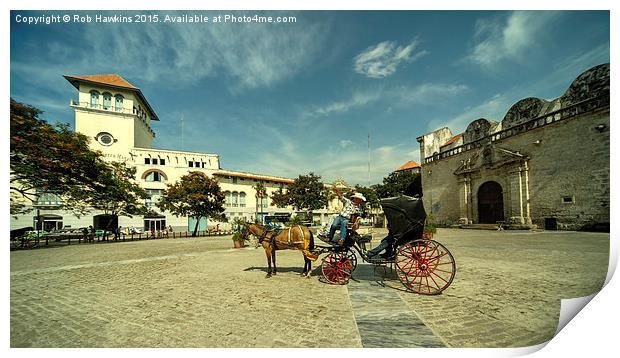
[[359, 196]]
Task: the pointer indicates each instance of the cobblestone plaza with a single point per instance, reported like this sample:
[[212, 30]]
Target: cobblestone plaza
[[201, 293]]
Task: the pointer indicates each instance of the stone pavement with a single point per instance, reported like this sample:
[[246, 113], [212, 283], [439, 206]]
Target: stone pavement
[[201, 293]]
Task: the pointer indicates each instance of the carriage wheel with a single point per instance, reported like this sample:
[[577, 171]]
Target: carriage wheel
[[337, 268], [352, 258], [425, 267]]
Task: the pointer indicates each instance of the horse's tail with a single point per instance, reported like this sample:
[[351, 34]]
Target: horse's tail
[[309, 251], [311, 245]]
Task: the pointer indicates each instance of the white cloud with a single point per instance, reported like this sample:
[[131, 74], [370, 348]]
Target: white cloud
[[383, 59], [344, 143], [357, 99], [502, 39], [243, 55]]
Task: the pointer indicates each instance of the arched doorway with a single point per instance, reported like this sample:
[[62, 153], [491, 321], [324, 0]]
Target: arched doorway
[[490, 203]]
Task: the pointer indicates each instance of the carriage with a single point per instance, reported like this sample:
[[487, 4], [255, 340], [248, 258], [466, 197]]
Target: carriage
[[423, 266]]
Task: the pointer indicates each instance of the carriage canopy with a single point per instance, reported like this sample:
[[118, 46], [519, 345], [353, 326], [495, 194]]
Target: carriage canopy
[[404, 214]]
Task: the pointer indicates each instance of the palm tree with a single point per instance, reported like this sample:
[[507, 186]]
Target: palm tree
[[261, 192]]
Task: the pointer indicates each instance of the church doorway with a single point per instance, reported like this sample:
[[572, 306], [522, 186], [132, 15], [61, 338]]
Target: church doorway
[[490, 203]]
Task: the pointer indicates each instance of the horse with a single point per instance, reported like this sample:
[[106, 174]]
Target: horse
[[296, 237]]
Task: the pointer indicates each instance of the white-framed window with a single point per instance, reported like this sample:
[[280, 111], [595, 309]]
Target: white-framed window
[[154, 176], [94, 99], [228, 198], [154, 197], [235, 199], [242, 200], [118, 103], [107, 101]]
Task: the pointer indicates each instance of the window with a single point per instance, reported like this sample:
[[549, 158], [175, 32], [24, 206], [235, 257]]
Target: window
[[107, 101], [154, 197], [227, 195], [147, 160], [162, 161], [46, 198], [153, 176], [568, 199], [105, 138], [94, 99], [118, 103], [235, 199], [191, 164], [242, 200], [154, 161], [155, 224]]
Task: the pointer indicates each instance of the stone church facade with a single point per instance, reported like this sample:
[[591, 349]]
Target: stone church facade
[[546, 164]]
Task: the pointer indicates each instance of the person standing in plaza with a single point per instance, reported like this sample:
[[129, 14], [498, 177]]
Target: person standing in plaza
[[351, 207]]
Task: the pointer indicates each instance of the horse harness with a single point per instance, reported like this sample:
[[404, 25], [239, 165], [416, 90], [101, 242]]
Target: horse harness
[[274, 233]]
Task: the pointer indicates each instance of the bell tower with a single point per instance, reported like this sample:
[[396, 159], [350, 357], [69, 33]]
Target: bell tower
[[113, 113]]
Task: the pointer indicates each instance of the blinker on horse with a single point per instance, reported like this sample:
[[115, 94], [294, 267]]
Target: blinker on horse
[[296, 237]]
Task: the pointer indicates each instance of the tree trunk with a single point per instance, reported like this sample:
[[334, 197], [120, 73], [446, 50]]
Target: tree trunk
[[196, 227]]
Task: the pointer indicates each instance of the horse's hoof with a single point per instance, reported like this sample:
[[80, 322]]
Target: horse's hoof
[[268, 275]]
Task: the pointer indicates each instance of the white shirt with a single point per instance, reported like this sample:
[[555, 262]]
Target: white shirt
[[349, 208]]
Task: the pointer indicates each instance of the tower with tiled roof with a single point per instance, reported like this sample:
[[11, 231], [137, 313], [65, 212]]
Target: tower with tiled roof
[[113, 113]]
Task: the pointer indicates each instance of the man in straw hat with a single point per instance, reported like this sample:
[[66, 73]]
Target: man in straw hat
[[351, 207]]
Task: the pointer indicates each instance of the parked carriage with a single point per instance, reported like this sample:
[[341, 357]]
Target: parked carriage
[[422, 266]]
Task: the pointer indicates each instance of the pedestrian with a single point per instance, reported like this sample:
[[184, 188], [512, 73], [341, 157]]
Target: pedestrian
[[85, 234]]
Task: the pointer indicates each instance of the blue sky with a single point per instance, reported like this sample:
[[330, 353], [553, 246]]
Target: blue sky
[[288, 99]]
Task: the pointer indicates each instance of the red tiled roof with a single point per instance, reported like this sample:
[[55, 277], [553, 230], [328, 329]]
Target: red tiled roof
[[409, 165], [452, 140], [111, 79]]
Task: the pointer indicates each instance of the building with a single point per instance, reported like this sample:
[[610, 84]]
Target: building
[[117, 117], [545, 164], [409, 167]]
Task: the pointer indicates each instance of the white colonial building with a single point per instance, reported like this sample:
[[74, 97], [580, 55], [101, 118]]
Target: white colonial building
[[117, 117]]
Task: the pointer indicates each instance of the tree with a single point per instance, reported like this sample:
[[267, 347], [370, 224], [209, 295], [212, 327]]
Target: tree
[[305, 193], [195, 195], [372, 200], [122, 196], [53, 159], [399, 183], [261, 192]]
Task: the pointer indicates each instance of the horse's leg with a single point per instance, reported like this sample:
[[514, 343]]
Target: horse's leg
[[268, 253], [273, 258]]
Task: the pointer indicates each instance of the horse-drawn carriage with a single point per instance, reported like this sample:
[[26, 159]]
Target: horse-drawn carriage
[[423, 266]]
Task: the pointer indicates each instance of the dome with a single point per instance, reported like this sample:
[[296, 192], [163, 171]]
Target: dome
[[522, 111], [479, 129], [592, 83]]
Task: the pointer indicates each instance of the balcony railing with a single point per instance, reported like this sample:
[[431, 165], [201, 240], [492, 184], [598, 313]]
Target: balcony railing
[[110, 108], [546, 119]]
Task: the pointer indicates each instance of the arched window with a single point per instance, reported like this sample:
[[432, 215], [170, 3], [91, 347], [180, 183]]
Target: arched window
[[118, 103], [154, 175], [242, 200], [107, 101], [94, 99], [235, 199], [227, 195]]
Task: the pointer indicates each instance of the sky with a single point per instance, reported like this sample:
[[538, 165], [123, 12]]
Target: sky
[[291, 98]]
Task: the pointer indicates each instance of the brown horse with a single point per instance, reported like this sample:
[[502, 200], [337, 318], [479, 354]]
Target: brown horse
[[297, 237]]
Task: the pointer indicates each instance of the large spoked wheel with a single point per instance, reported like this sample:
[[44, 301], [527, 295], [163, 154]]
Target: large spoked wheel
[[337, 268], [352, 258], [425, 267]]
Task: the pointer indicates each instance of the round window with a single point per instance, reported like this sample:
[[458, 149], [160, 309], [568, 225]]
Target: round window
[[105, 138]]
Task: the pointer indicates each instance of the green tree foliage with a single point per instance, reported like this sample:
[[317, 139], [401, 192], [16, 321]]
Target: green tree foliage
[[195, 195], [122, 196], [50, 158], [305, 193], [397, 183]]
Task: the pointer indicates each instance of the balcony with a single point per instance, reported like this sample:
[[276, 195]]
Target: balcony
[[111, 108]]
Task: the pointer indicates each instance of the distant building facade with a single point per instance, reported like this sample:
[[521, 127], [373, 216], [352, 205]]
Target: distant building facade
[[117, 117], [409, 167], [546, 164]]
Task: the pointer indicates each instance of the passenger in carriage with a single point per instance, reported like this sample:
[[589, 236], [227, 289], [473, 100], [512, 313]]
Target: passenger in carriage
[[386, 244], [351, 208]]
